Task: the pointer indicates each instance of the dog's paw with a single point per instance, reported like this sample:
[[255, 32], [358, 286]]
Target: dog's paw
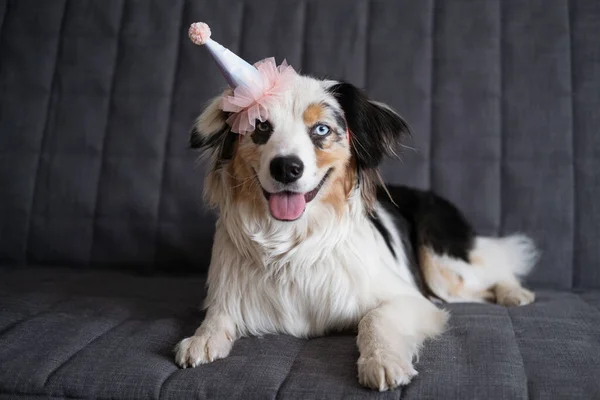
[[514, 296], [385, 372], [202, 349]]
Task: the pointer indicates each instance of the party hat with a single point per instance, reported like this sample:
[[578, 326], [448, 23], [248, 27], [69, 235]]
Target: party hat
[[234, 68], [255, 87]]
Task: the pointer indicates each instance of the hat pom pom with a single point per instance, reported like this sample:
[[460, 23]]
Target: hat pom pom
[[199, 33]]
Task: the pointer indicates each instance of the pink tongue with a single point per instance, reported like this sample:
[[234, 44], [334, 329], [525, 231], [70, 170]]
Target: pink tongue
[[287, 206]]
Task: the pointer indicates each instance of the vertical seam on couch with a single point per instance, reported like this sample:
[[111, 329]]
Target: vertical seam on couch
[[240, 33], [164, 382], [500, 228], [168, 133], [45, 129], [574, 265], [512, 326], [431, 94], [85, 346], [303, 32], [367, 16], [300, 349], [2, 22], [106, 126]]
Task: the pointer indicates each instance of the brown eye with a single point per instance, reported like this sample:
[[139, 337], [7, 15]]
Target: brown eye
[[262, 132], [263, 126]]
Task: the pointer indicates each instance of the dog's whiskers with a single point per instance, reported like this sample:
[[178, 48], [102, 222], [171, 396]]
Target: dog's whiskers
[[242, 183]]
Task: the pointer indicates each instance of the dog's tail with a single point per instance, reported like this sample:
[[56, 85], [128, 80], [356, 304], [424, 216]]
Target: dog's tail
[[517, 253]]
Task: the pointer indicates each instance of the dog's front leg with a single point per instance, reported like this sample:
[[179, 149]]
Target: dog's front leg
[[211, 341], [390, 335]]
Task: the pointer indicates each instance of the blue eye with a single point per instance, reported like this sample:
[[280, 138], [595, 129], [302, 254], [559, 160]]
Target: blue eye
[[321, 130]]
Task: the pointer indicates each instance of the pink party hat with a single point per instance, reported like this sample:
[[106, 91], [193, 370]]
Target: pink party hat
[[234, 68], [255, 87]]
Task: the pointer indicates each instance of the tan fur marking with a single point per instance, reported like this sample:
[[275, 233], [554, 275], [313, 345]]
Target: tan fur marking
[[244, 183], [476, 261], [343, 178], [339, 190], [445, 282], [454, 281], [433, 272], [426, 263], [326, 158], [313, 114], [368, 187], [488, 295]]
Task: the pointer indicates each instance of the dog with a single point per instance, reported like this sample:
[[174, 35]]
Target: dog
[[309, 241]]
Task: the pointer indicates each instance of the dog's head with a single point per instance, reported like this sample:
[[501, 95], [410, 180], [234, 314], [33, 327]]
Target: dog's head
[[323, 141]]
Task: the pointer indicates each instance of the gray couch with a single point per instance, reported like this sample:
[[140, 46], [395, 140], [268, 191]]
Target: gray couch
[[104, 240]]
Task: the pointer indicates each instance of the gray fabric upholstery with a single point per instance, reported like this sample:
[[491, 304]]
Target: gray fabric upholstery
[[96, 101], [109, 335], [98, 97]]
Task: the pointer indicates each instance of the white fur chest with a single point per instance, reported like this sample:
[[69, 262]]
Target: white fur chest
[[282, 280]]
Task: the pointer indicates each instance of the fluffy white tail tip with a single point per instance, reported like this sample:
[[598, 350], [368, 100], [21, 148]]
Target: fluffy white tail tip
[[516, 253], [523, 253]]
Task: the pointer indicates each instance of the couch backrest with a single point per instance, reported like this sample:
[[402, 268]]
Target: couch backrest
[[97, 98]]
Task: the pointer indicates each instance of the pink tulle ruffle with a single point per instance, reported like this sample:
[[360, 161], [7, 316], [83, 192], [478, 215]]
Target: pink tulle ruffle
[[250, 101]]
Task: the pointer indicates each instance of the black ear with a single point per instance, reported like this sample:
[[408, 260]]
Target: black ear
[[375, 129], [196, 139], [220, 142]]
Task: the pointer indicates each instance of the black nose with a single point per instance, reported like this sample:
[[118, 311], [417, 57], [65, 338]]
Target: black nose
[[286, 169]]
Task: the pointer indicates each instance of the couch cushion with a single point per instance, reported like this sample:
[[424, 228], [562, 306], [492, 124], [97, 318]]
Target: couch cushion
[[98, 97], [111, 335]]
